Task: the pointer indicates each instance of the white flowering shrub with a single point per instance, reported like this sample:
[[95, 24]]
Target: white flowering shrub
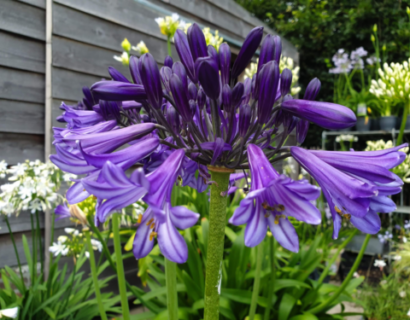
[[32, 185]]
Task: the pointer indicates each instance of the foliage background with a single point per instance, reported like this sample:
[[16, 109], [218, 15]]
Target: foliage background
[[319, 28]]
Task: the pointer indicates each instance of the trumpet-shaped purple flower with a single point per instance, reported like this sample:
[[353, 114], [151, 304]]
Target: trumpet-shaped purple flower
[[274, 198]]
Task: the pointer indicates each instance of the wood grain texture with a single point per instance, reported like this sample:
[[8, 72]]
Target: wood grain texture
[[36, 3], [21, 53], [21, 85], [21, 117], [19, 147], [85, 58], [23, 19], [80, 26]]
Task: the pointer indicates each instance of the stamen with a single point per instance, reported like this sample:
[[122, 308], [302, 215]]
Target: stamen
[[265, 205], [152, 235], [152, 226], [338, 210], [139, 218], [150, 221], [280, 207], [347, 216]]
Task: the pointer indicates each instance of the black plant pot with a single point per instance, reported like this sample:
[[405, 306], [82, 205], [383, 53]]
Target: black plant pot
[[375, 124], [346, 129], [407, 123], [363, 124], [388, 123]]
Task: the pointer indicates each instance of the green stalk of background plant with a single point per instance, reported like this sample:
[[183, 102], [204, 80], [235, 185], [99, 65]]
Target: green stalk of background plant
[[217, 222], [120, 267], [171, 283], [321, 307], [272, 247], [94, 274], [40, 244], [169, 46], [34, 248], [257, 281], [15, 250], [403, 123]]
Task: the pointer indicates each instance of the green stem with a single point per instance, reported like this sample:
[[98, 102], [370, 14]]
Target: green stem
[[51, 239], [217, 222], [272, 278], [34, 247], [332, 261], [120, 267], [257, 281], [94, 274], [343, 286], [169, 46], [15, 249], [403, 124], [40, 243], [172, 295]]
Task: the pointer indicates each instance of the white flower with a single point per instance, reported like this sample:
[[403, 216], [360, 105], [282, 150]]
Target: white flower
[[124, 59], [9, 313], [72, 231], [58, 248], [62, 239], [383, 282], [404, 239], [356, 275], [397, 258], [96, 245], [87, 254], [408, 313], [141, 48], [402, 294], [379, 263]]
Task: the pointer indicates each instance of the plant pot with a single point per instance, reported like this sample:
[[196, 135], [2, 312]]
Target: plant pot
[[375, 124], [407, 123], [346, 129], [363, 124], [388, 123]]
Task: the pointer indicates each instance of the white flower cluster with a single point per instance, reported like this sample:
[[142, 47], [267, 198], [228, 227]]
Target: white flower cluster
[[393, 84], [403, 169], [385, 237], [379, 263], [347, 137], [33, 186], [344, 64], [169, 25], [285, 62]]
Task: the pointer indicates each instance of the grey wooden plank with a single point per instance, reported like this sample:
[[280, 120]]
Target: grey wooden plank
[[21, 85], [21, 53], [21, 117], [36, 3], [67, 85], [19, 147], [77, 56], [20, 18], [86, 28]]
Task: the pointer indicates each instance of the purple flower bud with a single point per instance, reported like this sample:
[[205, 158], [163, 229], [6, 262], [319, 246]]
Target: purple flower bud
[[116, 75], [278, 48], [192, 91], [267, 51], [268, 80], [214, 55], [184, 52], [88, 98], [197, 43], [135, 69], [247, 90], [180, 98], [312, 89], [151, 80], [244, 119], [168, 62], [173, 118], [301, 130], [118, 91], [166, 74], [179, 69], [110, 110], [201, 98], [192, 106], [227, 97], [253, 86], [325, 114], [285, 82], [249, 47], [224, 62], [237, 94], [208, 76]]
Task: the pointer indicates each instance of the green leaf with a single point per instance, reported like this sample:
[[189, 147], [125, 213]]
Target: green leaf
[[230, 234], [162, 291], [50, 312], [242, 296], [285, 283], [305, 316], [286, 306], [143, 316]]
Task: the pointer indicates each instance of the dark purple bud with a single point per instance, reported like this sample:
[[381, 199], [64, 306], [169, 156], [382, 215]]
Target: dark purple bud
[[301, 130], [227, 97], [166, 74], [110, 110], [267, 51], [214, 55], [151, 80], [192, 106], [224, 62], [312, 89], [116, 75], [253, 86], [285, 82], [118, 91], [135, 69], [168, 62], [208, 76], [180, 98], [268, 80], [249, 47], [290, 122], [184, 52], [278, 48], [192, 91], [197, 43], [325, 114], [179, 69], [173, 118], [88, 98], [244, 119], [201, 98], [237, 94], [247, 90]]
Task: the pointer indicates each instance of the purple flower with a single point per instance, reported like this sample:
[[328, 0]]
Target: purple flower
[[273, 198], [118, 91], [62, 211], [161, 219]]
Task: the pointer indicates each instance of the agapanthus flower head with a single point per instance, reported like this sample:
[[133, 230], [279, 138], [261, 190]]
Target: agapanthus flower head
[[169, 24], [141, 48], [134, 140]]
